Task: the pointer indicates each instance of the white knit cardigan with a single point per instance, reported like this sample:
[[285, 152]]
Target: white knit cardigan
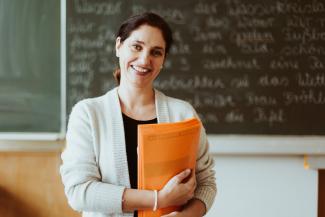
[[95, 170]]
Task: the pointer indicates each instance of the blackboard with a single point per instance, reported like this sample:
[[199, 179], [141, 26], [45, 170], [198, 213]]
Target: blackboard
[[30, 81], [248, 67]]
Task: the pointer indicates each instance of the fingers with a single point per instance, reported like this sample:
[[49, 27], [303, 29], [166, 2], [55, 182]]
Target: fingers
[[179, 190], [192, 180], [191, 185], [170, 214], [182, 175]]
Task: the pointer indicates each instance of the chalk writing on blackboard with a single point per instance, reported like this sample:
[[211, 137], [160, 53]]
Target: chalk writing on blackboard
[[247, 67]]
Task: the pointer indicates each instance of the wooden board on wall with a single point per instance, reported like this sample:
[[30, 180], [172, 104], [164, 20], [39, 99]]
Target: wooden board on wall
[[30, 185]]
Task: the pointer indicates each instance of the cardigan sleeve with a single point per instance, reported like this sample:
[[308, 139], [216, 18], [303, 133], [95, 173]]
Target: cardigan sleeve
[[206, 189], [80, 172]]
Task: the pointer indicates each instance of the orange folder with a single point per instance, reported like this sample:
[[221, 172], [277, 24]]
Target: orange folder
[[164, 150]]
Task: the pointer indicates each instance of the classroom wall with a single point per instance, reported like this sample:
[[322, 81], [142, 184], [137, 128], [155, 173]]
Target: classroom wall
[[30, 185], [248, 186], [268, 186]]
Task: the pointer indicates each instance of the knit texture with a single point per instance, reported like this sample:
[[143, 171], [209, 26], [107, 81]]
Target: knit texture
[[95, 170]]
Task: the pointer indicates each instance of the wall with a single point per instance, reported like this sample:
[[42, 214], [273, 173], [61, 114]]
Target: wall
[[30, 185], [248, 186], [268, 186]]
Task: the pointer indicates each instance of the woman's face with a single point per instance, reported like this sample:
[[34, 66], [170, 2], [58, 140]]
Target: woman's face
[[141, 56]]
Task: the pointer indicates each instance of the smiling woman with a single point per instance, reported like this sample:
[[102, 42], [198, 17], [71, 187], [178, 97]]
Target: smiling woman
[[99, 167]]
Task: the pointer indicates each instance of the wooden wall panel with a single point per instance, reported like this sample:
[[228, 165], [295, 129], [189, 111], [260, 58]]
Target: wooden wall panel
[[30, 186]]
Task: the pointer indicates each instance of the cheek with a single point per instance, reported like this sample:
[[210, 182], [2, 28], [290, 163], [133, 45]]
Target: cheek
[[125, 58], [159, 63]]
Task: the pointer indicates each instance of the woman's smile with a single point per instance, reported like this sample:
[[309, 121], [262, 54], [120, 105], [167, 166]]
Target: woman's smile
[[140, 70]]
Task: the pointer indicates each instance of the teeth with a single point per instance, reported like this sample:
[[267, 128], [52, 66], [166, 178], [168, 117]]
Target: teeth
[[140, 69]]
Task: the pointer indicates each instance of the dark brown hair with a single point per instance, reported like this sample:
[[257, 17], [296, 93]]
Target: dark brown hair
[[135, 22]]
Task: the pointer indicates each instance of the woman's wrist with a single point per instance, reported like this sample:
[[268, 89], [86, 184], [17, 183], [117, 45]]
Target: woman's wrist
[[131, 202], [155, 205], [161, 200]]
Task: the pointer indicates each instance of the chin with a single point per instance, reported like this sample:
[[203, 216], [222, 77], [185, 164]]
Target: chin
[[142, 84]]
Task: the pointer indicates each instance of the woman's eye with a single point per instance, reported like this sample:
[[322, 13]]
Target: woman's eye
[[136, 47], [157, 53]]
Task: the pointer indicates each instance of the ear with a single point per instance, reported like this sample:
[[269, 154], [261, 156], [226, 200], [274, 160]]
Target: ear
[[117, 46]]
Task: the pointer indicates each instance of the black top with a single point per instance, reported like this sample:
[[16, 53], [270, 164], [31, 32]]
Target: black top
[[131, 141]]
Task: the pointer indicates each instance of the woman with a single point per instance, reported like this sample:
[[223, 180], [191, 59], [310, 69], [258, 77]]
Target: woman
[[99, 163]]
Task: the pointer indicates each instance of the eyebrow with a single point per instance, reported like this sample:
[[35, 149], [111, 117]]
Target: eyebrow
[[155, 47]]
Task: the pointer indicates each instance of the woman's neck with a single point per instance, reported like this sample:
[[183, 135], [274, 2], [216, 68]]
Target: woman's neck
[[137, 103]]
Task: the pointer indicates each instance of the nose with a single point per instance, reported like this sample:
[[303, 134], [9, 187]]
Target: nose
[[144, 58]]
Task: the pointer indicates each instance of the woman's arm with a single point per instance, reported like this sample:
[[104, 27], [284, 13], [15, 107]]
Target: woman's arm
[[206, 189], [175, 192], [195, 208], [80, 173]]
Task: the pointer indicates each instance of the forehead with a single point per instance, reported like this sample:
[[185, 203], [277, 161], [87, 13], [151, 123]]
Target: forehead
[[151, 36]]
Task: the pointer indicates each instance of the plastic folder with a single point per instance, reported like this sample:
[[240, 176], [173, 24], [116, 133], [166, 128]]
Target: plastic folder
[[164, 150]]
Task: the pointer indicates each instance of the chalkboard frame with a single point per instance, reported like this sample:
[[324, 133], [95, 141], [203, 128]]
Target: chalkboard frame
[[60, 134]]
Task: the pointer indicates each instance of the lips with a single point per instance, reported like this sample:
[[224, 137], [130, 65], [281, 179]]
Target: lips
[[140, 70]]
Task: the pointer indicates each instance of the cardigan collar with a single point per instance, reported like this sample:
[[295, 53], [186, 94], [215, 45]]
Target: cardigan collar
[[161, 107], [160, 103]]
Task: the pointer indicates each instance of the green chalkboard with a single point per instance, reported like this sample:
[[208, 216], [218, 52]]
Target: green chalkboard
[[30, 100], [247, 66]]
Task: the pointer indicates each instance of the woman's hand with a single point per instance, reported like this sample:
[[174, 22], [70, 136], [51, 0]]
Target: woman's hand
[[173, 214], [176, 192], [177, 214]]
